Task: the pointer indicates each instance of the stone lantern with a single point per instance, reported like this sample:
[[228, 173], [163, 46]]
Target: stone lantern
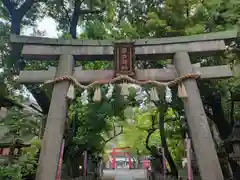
[[234, 140]]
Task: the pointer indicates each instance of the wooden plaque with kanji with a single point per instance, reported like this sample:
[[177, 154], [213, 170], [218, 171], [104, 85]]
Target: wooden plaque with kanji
[[124, 55]]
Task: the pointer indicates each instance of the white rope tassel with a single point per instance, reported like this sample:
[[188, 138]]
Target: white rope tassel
[[97, 95], [168, 95], [124, 90], [71, 92], [154, 94]]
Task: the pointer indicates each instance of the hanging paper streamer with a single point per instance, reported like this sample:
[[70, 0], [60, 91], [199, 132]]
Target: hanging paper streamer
[[182, 93], [168, 95], [71, 92], [154, 94], [110, 91], [124, 90], [97, 95], [84, 97]]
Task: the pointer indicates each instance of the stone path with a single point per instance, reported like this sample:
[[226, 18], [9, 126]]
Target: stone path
[[125, 174]]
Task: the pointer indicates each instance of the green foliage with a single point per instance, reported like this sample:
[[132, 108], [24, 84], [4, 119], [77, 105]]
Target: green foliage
[[135, 133], [138, 131], [96, 120], [25, 165], [21, 124], [29, 159], [11, 172], [4, 47]]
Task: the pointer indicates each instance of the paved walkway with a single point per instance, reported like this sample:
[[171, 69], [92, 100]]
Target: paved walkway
[[125, 174]]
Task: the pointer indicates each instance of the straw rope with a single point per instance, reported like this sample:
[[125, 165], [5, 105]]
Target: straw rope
[[172, 83]]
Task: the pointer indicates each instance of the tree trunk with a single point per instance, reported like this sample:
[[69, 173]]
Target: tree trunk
[[214, 100], [74, 20], [15, 24], [16, 19], [167, 154]]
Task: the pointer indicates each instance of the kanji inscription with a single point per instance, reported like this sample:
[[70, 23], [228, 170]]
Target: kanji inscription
[[124, 54]]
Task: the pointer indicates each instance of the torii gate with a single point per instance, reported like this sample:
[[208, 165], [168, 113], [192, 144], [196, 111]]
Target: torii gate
[[177, 48], [116, 151]]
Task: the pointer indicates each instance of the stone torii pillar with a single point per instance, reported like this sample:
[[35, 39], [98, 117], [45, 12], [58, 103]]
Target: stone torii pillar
[[53, 135], [203, 143]]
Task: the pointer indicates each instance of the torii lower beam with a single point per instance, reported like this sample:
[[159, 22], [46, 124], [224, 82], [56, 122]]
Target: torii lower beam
[[89, 76]]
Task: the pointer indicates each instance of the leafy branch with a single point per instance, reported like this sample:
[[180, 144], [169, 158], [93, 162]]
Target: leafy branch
[[115, 134], [151, 130]]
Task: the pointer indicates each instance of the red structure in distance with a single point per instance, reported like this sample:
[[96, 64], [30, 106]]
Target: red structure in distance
[[116, 151]]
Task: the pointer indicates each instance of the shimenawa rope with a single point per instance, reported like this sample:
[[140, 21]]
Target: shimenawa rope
[[172, 83]]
